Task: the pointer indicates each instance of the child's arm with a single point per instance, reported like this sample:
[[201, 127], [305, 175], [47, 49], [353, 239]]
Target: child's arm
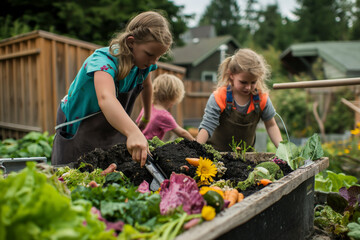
[[202, 136], [146, 97], [181, 132], [273, 131], [115, 114]]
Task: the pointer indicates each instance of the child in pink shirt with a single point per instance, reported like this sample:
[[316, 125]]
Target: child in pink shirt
[[168, 90]]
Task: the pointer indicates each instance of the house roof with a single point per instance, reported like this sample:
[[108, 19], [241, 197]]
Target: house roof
[[344, 55], [197, 51], [206, 31]]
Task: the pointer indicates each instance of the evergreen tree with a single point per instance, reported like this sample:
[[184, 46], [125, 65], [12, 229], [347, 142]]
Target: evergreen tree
[[269, 24], [355, 29], [319, 20], [224, 15]]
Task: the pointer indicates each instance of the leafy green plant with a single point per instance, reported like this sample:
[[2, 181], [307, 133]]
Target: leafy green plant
[[240, 148], [33, 144], [295, 156], [328, 181], [33, 207]]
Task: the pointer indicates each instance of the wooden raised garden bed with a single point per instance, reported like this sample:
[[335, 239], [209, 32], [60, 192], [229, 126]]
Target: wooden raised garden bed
[[282, 210]]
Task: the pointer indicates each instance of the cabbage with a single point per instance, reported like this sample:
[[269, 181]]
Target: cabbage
[[180, 190]]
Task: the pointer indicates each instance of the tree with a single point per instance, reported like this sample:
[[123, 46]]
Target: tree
[[269, 24], [225, 16], [355, 30], [320, 20], [90, 20]]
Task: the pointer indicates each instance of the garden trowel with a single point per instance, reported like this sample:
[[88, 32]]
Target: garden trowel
[[156, 172]]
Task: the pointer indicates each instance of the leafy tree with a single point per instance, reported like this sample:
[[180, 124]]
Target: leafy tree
[[90, 20], [225, 16]]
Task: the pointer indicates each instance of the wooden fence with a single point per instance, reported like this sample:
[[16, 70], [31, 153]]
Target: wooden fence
[[36, 70]]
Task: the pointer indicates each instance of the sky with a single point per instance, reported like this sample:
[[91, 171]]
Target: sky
[[198, 7]]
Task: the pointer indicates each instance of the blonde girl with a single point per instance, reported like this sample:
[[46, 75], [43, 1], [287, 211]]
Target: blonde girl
[[239, 102], [96, 111], [168, 90]]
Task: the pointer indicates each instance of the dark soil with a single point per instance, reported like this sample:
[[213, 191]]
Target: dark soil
[[170, 158]]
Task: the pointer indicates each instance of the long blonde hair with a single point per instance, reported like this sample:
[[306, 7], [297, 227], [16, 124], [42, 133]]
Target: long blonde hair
[[145, 27], [245, 60], [168, 88]]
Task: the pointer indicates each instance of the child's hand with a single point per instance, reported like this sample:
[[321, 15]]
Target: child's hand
[[137, 146], [142, 125]]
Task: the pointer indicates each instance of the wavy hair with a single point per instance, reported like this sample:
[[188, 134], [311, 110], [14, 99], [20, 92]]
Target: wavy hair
[[145, 27], [245, 60]]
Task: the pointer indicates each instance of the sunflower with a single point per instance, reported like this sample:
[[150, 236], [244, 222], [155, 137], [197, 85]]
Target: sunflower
[[206, 170]]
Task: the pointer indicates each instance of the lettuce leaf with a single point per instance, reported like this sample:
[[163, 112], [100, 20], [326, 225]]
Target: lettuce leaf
[[31, 207]]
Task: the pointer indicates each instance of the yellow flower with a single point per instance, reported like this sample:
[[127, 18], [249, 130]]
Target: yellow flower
[[208, 213], [356, 131], [346, 151], [206, 170], [358, 124], [359, 146]]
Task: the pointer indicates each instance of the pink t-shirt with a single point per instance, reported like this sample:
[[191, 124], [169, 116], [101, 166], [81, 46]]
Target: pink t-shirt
[[161, 121]]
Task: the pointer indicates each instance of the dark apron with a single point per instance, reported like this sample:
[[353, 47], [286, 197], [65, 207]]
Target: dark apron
[[93, 132], [235, 124]]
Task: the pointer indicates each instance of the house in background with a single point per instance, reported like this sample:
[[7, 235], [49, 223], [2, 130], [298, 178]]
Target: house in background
[[202, 56], [207, 31], [340, 59], [203, 53]]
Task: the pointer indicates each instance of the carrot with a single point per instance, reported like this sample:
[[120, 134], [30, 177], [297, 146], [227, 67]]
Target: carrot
[[240, 197], [226, 194], [264, 182], [111, 168], [233, 197], [93, 184], [193, 161]]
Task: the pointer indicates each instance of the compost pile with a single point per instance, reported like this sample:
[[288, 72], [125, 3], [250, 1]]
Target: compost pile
[[170, 158]]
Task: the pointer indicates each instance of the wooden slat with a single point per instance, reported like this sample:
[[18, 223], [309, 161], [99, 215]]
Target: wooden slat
[[42, 34], [20, 127], [7, 89], [22, 112], [318, 83], [31, 82], [2, 89], [67, 71], [19, 54], [54, 80], [40, 88]]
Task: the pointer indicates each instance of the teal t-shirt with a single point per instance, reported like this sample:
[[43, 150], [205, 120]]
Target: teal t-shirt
[[81, 100]]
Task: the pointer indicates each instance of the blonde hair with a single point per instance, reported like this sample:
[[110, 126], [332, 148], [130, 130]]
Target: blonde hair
[[245, 60], [168, 88], [145, 27]]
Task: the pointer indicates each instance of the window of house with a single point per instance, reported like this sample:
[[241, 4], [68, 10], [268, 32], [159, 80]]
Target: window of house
[[208, 76]]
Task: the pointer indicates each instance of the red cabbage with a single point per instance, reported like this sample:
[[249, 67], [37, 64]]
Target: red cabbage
[[180, 190]]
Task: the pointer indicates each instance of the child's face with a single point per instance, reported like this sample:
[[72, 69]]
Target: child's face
[[243, 83], [146, 54]]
